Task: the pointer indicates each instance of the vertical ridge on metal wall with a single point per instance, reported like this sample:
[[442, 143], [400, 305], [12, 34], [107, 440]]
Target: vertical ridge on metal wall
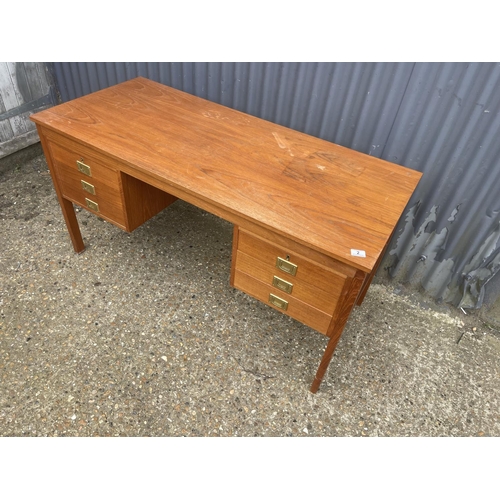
[[440, 118]]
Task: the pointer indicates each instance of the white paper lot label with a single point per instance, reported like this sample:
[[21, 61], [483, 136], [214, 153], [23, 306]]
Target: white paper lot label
[[358, 253]]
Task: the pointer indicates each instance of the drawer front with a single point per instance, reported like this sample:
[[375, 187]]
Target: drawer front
[[88, 182], [287, 304], [286, 285]]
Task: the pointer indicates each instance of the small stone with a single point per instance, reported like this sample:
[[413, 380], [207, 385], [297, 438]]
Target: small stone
[[305, 430], [164, 358], [73, 417]]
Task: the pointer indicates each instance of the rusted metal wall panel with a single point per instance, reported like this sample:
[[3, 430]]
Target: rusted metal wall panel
[[440, 118], [448, 127]]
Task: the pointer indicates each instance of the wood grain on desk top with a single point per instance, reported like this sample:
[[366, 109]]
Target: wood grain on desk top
[[325, 196]]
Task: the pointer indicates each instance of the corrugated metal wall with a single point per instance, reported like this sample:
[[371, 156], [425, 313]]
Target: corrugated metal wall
[[439, 118]]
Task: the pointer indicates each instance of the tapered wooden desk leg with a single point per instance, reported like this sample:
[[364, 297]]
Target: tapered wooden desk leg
[[72, 224], [369, 278], [364, 288], [337, 327], [325, 361]]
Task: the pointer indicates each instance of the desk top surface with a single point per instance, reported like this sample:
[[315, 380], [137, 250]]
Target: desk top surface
[[325, 196]]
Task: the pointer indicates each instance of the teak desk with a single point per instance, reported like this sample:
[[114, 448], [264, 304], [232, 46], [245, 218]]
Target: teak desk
[[311, 219]]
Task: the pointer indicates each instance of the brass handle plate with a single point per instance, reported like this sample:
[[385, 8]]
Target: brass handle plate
[[286, 266], [92, 205], [88, 187], [84, 169], [278, 302], [282, 284]]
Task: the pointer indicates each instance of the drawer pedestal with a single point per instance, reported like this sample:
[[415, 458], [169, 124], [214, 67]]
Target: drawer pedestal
[[98, 184]]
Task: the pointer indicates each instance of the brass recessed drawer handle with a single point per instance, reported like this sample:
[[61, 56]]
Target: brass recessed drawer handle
[[84, 169], [88, 187], [286, 266], [92, 205], [282, 284], [276, 301]]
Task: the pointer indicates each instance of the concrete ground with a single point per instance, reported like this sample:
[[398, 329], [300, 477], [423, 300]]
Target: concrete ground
[[141, 335]]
